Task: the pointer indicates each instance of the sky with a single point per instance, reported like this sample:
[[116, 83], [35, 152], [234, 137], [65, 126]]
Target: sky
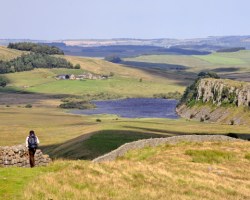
[[106, 19]]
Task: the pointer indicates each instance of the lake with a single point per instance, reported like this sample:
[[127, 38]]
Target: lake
[[134, 108]]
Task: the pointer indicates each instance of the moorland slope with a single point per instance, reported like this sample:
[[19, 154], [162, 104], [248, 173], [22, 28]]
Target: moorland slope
[[185, 170]]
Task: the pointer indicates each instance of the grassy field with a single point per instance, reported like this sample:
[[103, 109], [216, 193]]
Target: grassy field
[[210, 170], [235, 58], [126, 81], [240, 58], [43, 81], [223, 59], [234, 65]]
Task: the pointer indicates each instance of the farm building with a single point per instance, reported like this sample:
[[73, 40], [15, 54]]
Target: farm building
[[80, 77], [63, 76]]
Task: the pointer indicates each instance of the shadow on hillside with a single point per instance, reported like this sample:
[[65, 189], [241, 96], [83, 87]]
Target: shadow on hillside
[[243, 136], [158, 131], [173, 72], [238, 76], [93, 145], [21, 98], [14, 96], [226, 69], [162, 66]]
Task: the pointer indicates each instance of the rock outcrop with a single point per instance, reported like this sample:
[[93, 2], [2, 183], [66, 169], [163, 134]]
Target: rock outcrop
[[217, 100], [18, 156], [219, 91]]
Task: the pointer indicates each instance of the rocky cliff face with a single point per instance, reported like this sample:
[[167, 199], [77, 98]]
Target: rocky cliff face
[[219, 91], [217, 100]]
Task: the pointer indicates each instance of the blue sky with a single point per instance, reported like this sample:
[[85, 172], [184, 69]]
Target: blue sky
[[85, 19]]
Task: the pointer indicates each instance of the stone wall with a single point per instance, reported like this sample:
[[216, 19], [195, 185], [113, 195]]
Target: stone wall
[[153, 142], [18, 156]]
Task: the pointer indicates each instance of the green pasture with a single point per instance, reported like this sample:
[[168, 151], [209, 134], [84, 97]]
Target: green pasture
[[234, 65], [43, 81], [14, 180], [239, 59], [223, 59], [187, 61]]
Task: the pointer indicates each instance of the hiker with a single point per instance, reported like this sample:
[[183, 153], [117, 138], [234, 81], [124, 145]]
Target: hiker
[[32, 142]]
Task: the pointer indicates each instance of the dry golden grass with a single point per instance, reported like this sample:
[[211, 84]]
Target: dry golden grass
[[8, 54], [167, 173], [51, 125], [54, 126]]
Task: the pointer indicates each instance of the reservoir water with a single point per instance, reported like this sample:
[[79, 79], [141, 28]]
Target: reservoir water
[[134, 108]]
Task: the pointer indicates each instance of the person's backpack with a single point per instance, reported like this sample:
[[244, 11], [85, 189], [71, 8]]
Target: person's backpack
[[32, 141]]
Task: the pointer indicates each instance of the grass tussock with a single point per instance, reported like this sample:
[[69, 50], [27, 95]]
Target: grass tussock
[[247, 156], [209, 156], [141, 154], [150, 173]]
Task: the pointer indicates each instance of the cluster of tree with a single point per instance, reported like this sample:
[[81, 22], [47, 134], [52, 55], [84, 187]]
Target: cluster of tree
[[191, 91], [235, 49], [3, 81], [28, 62], [208, 75], [77, 105], [36, 48], [113, 59], [169, 95]]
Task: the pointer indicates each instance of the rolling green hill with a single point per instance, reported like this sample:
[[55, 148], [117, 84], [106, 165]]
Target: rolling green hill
[[126, 81], [235, 65]]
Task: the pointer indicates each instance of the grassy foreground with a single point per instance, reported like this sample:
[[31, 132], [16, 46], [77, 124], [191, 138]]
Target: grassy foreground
[[214, 170]]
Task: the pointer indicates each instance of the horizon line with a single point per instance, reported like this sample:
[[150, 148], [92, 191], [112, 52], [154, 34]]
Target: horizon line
[[126, 38]]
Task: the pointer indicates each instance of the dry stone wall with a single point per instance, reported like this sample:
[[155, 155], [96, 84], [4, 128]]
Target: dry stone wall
[[153, 142], [18, 156]]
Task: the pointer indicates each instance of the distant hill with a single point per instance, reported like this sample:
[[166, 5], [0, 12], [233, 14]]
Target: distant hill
[[234, 49], [129, 51], [135, 47]]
